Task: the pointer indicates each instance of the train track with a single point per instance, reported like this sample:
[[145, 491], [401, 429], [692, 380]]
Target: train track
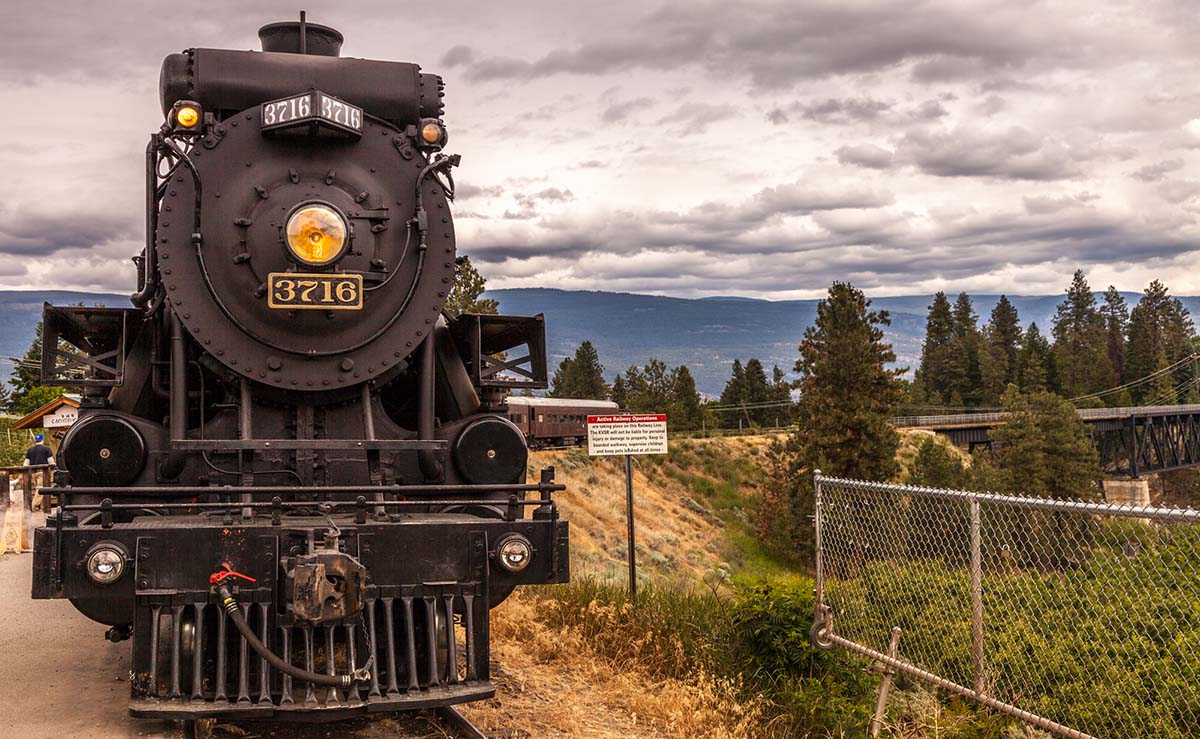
[[458, 723], [443, 719]]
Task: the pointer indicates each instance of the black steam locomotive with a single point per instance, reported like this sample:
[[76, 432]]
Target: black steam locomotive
[[292, 483]]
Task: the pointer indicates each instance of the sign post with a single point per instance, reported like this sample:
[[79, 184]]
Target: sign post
[[628, 434]]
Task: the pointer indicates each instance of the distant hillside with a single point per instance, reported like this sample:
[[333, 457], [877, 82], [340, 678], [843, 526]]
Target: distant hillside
[[706, 334], [22, 311]]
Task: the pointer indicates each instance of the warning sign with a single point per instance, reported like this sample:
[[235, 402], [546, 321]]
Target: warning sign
[[627, 433]]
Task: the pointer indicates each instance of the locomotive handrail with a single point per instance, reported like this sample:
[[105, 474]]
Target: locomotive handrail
[[305, 504], [403, 445], [18, 468], [291, 489]]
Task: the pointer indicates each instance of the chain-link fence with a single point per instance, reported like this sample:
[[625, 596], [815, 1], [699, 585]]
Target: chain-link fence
[[1082, 619]]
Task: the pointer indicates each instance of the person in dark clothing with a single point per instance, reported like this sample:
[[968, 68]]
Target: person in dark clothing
[[39, 453]]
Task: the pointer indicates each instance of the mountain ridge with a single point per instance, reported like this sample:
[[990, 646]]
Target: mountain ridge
[[707, 334]]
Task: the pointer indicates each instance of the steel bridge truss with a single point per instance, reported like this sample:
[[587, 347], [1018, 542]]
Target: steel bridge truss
[[1141, 444]]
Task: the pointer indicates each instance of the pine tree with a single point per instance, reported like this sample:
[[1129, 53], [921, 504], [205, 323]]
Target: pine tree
[[965, 353], [935, 467], [757, 392], [847, 395], [685, 413], [466, 294], [1044, 450], [617, 393], [1035, 362], [1161, 334], [581, 376], [1116, 330], [648, 389], [1002, 337], [563, 382], [27, 372], [635, 388], [1080, 343], [734, 394], [28, 393], [781, 393], [937, 376]]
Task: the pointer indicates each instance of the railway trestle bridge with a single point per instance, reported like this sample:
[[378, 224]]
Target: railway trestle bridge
[[1132, 441]]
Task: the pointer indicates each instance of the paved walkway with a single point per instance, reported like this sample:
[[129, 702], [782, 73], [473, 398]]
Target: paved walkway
[[59, 677]]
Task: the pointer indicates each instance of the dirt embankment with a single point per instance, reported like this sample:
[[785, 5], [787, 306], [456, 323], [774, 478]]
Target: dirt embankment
[[677, 506]]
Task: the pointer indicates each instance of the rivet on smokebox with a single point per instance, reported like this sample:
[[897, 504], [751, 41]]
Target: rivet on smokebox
[[274, 363], [347, 364]]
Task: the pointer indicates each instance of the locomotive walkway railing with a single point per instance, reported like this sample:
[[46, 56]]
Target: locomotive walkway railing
[[18, 486], [1078, 618]]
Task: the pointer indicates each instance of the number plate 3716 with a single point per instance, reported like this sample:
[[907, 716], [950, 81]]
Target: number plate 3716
[[296, 290]]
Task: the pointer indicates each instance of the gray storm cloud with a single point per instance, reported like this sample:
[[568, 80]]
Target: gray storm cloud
[[689, 148]]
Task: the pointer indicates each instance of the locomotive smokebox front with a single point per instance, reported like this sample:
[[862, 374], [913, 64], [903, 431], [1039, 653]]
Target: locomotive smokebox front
[[325, 247]]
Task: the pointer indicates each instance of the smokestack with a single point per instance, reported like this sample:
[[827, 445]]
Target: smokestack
[[291, 37]]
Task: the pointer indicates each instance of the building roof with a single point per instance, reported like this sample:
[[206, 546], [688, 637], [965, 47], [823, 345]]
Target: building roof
[[548, 402], [34, 420]]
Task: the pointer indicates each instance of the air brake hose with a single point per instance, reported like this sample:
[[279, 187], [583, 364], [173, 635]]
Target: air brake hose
[[239, 620]]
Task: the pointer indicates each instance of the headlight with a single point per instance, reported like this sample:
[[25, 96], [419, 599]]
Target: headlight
[[106, 563], [187, 116], [316, 234], [514, 553]]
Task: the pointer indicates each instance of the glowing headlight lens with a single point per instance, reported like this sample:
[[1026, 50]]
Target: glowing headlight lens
[[316, 234], [105, 565], [514, 553], [187, 116]]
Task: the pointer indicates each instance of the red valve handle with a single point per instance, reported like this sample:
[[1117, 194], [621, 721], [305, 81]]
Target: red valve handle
[[220, 576]]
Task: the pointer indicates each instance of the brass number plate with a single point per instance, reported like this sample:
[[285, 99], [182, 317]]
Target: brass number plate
[[296, 290]]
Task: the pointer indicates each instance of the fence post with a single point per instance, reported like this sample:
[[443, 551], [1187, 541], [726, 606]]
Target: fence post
[[820, 565], [885, 687], [977, 597]]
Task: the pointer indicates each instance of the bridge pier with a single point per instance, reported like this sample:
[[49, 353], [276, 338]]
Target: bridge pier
[[1128, 491]]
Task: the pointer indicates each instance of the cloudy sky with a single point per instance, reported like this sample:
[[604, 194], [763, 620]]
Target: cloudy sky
[[689, 149]]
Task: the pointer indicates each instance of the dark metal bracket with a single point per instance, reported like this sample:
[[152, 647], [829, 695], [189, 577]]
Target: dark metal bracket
[[84, 347], [485, 341]]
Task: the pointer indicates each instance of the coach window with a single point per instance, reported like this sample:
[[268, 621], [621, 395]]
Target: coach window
[[541, 418]]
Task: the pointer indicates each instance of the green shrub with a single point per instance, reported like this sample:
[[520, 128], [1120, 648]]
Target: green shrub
[[758, 638]]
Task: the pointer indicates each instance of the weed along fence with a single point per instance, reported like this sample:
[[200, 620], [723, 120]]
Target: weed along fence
[[1082, 619]]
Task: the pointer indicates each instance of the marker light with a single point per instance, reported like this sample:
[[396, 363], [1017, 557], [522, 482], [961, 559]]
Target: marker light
[[431, 132], [514, 553], [187, 116], [106, 564], [316, 234]]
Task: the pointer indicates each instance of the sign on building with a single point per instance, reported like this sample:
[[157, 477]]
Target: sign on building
[[627, 433], [64, 416]]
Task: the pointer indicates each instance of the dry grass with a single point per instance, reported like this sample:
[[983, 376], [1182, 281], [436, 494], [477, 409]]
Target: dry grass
[[911, 441], [680, 538], [551, 683]]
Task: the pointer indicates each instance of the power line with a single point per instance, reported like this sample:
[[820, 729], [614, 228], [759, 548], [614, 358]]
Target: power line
[[1135, 383]]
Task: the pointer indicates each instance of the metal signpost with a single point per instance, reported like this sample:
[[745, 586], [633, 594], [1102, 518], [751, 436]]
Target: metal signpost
[[628, 434]]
